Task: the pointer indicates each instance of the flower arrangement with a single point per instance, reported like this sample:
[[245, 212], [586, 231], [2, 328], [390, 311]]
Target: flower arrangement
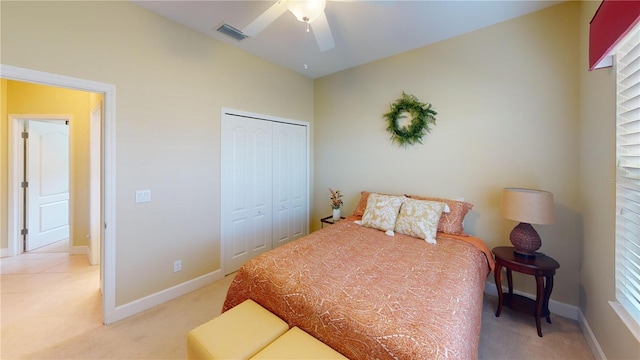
[[336, 199]]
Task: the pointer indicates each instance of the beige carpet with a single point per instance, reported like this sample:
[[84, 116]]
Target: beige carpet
[[160, 333]]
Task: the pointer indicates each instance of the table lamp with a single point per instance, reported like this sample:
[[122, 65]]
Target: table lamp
[[527, 206]]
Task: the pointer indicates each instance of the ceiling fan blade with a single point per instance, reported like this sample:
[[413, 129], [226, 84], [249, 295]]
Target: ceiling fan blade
[[265, 19], [322, 32]]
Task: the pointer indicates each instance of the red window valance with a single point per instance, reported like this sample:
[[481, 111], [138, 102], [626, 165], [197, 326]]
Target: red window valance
[[612, 21]]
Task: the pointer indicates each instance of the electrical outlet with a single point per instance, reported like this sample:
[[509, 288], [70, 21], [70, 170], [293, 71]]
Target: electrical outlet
[[177, 265]]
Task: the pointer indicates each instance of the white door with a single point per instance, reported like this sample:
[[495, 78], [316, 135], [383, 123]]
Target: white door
[[246, 189], [95, 186], [48, 177], [289, 182]]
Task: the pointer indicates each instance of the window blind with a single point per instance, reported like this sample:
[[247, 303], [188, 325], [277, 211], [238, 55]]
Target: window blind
[[628, 175]]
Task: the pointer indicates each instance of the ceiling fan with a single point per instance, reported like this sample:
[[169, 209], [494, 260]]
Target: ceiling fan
[[310, 12]]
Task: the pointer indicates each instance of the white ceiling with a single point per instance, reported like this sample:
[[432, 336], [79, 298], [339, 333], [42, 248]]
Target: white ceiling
[[364, 31]]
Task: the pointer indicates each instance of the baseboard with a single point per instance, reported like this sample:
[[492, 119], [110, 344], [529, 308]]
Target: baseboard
[[590, 337], [4, 252], [147, 302], [555, 307], [81, 250]]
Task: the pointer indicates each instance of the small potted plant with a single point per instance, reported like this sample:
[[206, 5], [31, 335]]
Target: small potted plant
[[336, 203]]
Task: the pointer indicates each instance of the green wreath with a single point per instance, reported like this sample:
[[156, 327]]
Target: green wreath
[[421, 113]]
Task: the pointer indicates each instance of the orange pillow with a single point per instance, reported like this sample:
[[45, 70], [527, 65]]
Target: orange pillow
[[362, 205], [451, 222]]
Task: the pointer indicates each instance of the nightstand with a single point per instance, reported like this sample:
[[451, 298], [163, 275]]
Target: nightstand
[[328, 220], [542, 267]]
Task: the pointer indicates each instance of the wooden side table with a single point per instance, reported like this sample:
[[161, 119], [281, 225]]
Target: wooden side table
[[542, 267], [328, 220]]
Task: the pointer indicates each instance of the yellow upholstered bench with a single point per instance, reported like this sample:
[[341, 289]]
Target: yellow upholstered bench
[[238, 333], [297, 344]]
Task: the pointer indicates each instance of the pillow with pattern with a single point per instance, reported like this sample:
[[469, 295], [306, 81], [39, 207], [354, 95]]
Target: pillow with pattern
[[419, 218], [450, 223], [382, 211], [362, 205]]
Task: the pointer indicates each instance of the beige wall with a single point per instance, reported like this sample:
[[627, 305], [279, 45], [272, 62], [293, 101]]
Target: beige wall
[[171, 83], [507, 103], [25, 98], [597, 189]]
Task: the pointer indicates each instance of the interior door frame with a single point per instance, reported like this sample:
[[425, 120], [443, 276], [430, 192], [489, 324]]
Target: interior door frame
[[16, 157], [110, 313], [95, 178]]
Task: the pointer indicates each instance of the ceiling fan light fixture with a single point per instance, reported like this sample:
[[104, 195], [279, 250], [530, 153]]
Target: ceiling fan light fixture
[[306, 10]]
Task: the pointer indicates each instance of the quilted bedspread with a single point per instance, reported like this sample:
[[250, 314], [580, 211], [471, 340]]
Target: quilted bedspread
[[373, 296]]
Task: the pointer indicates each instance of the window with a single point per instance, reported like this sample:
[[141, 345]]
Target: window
[[628, 182]]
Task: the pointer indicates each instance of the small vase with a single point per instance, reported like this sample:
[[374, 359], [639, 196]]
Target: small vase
[[336, 214]]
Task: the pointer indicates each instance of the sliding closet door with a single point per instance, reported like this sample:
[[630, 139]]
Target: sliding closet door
[[289, 182], [246, 181]]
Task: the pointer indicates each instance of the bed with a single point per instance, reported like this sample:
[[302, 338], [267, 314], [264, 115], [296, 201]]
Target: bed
[[369, 295]]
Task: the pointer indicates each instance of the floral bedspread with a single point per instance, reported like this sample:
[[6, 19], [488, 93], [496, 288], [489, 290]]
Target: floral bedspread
[[373, 296]]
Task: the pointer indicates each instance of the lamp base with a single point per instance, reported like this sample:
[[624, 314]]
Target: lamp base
[[525, 240]]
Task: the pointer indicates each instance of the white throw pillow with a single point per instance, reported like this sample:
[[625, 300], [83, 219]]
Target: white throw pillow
[[382, 211], [419, 218]]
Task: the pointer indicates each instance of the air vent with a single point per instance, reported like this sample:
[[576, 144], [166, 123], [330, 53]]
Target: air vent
[[231, 31]]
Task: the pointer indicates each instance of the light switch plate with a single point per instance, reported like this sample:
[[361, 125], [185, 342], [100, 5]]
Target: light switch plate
[[143, 196]]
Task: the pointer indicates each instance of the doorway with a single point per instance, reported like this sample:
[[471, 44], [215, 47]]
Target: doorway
[[107, 193]]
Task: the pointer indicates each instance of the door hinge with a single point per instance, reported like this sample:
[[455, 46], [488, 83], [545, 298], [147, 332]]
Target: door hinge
[[24, 184], [24, 232], [25, 135]]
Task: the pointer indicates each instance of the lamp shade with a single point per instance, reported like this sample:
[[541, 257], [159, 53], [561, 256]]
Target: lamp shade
[[527, 206]]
